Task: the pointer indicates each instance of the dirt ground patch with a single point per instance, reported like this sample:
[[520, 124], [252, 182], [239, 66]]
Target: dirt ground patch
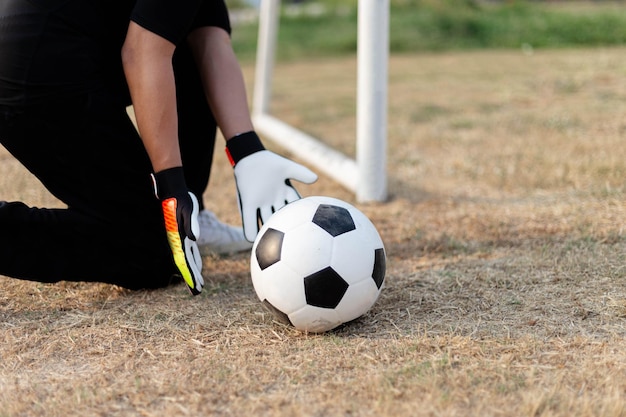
[[506, 281]]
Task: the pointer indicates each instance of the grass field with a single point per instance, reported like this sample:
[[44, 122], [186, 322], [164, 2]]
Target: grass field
[[329, 27], [506, 279]]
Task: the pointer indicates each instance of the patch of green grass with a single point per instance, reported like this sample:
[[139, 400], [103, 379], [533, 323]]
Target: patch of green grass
[[435, 25]]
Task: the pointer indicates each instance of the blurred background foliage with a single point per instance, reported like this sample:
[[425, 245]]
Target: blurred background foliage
[[310, 28]]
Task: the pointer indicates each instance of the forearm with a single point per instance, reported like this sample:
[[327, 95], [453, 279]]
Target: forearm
[[148, 68], [222, 80]]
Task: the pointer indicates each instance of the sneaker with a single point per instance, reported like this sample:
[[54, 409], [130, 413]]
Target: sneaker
[[219, 238]]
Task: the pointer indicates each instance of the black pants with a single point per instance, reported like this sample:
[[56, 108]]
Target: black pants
[[85, 150]]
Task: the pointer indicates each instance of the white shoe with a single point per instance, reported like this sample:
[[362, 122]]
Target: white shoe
[[219, 238]]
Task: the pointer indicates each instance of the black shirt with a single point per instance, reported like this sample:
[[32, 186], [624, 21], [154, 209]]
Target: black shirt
[[60, 47]]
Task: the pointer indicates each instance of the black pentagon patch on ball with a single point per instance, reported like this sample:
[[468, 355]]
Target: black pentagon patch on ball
[[380, 265], [325, 288], [269, 248], [333, 219], [280, 316]]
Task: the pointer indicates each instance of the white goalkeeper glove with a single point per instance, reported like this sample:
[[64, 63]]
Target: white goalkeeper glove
[[263, 180]]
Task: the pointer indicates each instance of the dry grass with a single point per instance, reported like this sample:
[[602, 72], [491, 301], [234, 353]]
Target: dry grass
[[506, 290]]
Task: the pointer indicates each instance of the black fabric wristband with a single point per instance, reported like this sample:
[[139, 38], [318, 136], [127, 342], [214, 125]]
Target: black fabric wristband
[[169, 182], [243, 145]]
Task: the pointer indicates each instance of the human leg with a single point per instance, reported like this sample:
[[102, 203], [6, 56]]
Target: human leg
[[87, 153]]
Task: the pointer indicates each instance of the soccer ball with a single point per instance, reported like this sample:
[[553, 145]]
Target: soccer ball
[[317, 263]]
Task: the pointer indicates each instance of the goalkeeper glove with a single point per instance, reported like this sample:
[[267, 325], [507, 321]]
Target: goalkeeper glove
[[263, 180], [180, 212]]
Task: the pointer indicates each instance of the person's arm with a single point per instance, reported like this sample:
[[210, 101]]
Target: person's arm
[[262, 177], [147, 60], [222, 79]]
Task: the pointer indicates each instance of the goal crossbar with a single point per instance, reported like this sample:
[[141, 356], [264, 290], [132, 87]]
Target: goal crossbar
[[366, 174]]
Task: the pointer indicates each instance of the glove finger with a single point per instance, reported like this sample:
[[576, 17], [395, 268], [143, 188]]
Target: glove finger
[[278, 204], [250, 222], [187, 215], [265, 213], [291, 194], [194, 225], [299, 173], [288, 195], [193, 262], [194, 251]]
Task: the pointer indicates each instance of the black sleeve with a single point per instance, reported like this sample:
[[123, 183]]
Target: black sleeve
[[212, 13], [173, 20]]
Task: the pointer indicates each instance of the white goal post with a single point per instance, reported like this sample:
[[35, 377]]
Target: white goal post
[[366, 175]]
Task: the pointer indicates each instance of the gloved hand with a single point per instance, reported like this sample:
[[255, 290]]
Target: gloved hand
[[180, 211], [263, 180]]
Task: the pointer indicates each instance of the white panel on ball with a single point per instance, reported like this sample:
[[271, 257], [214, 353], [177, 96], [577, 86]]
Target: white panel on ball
[[324, 319], [360, 297], [280, 291], [309, 255]]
